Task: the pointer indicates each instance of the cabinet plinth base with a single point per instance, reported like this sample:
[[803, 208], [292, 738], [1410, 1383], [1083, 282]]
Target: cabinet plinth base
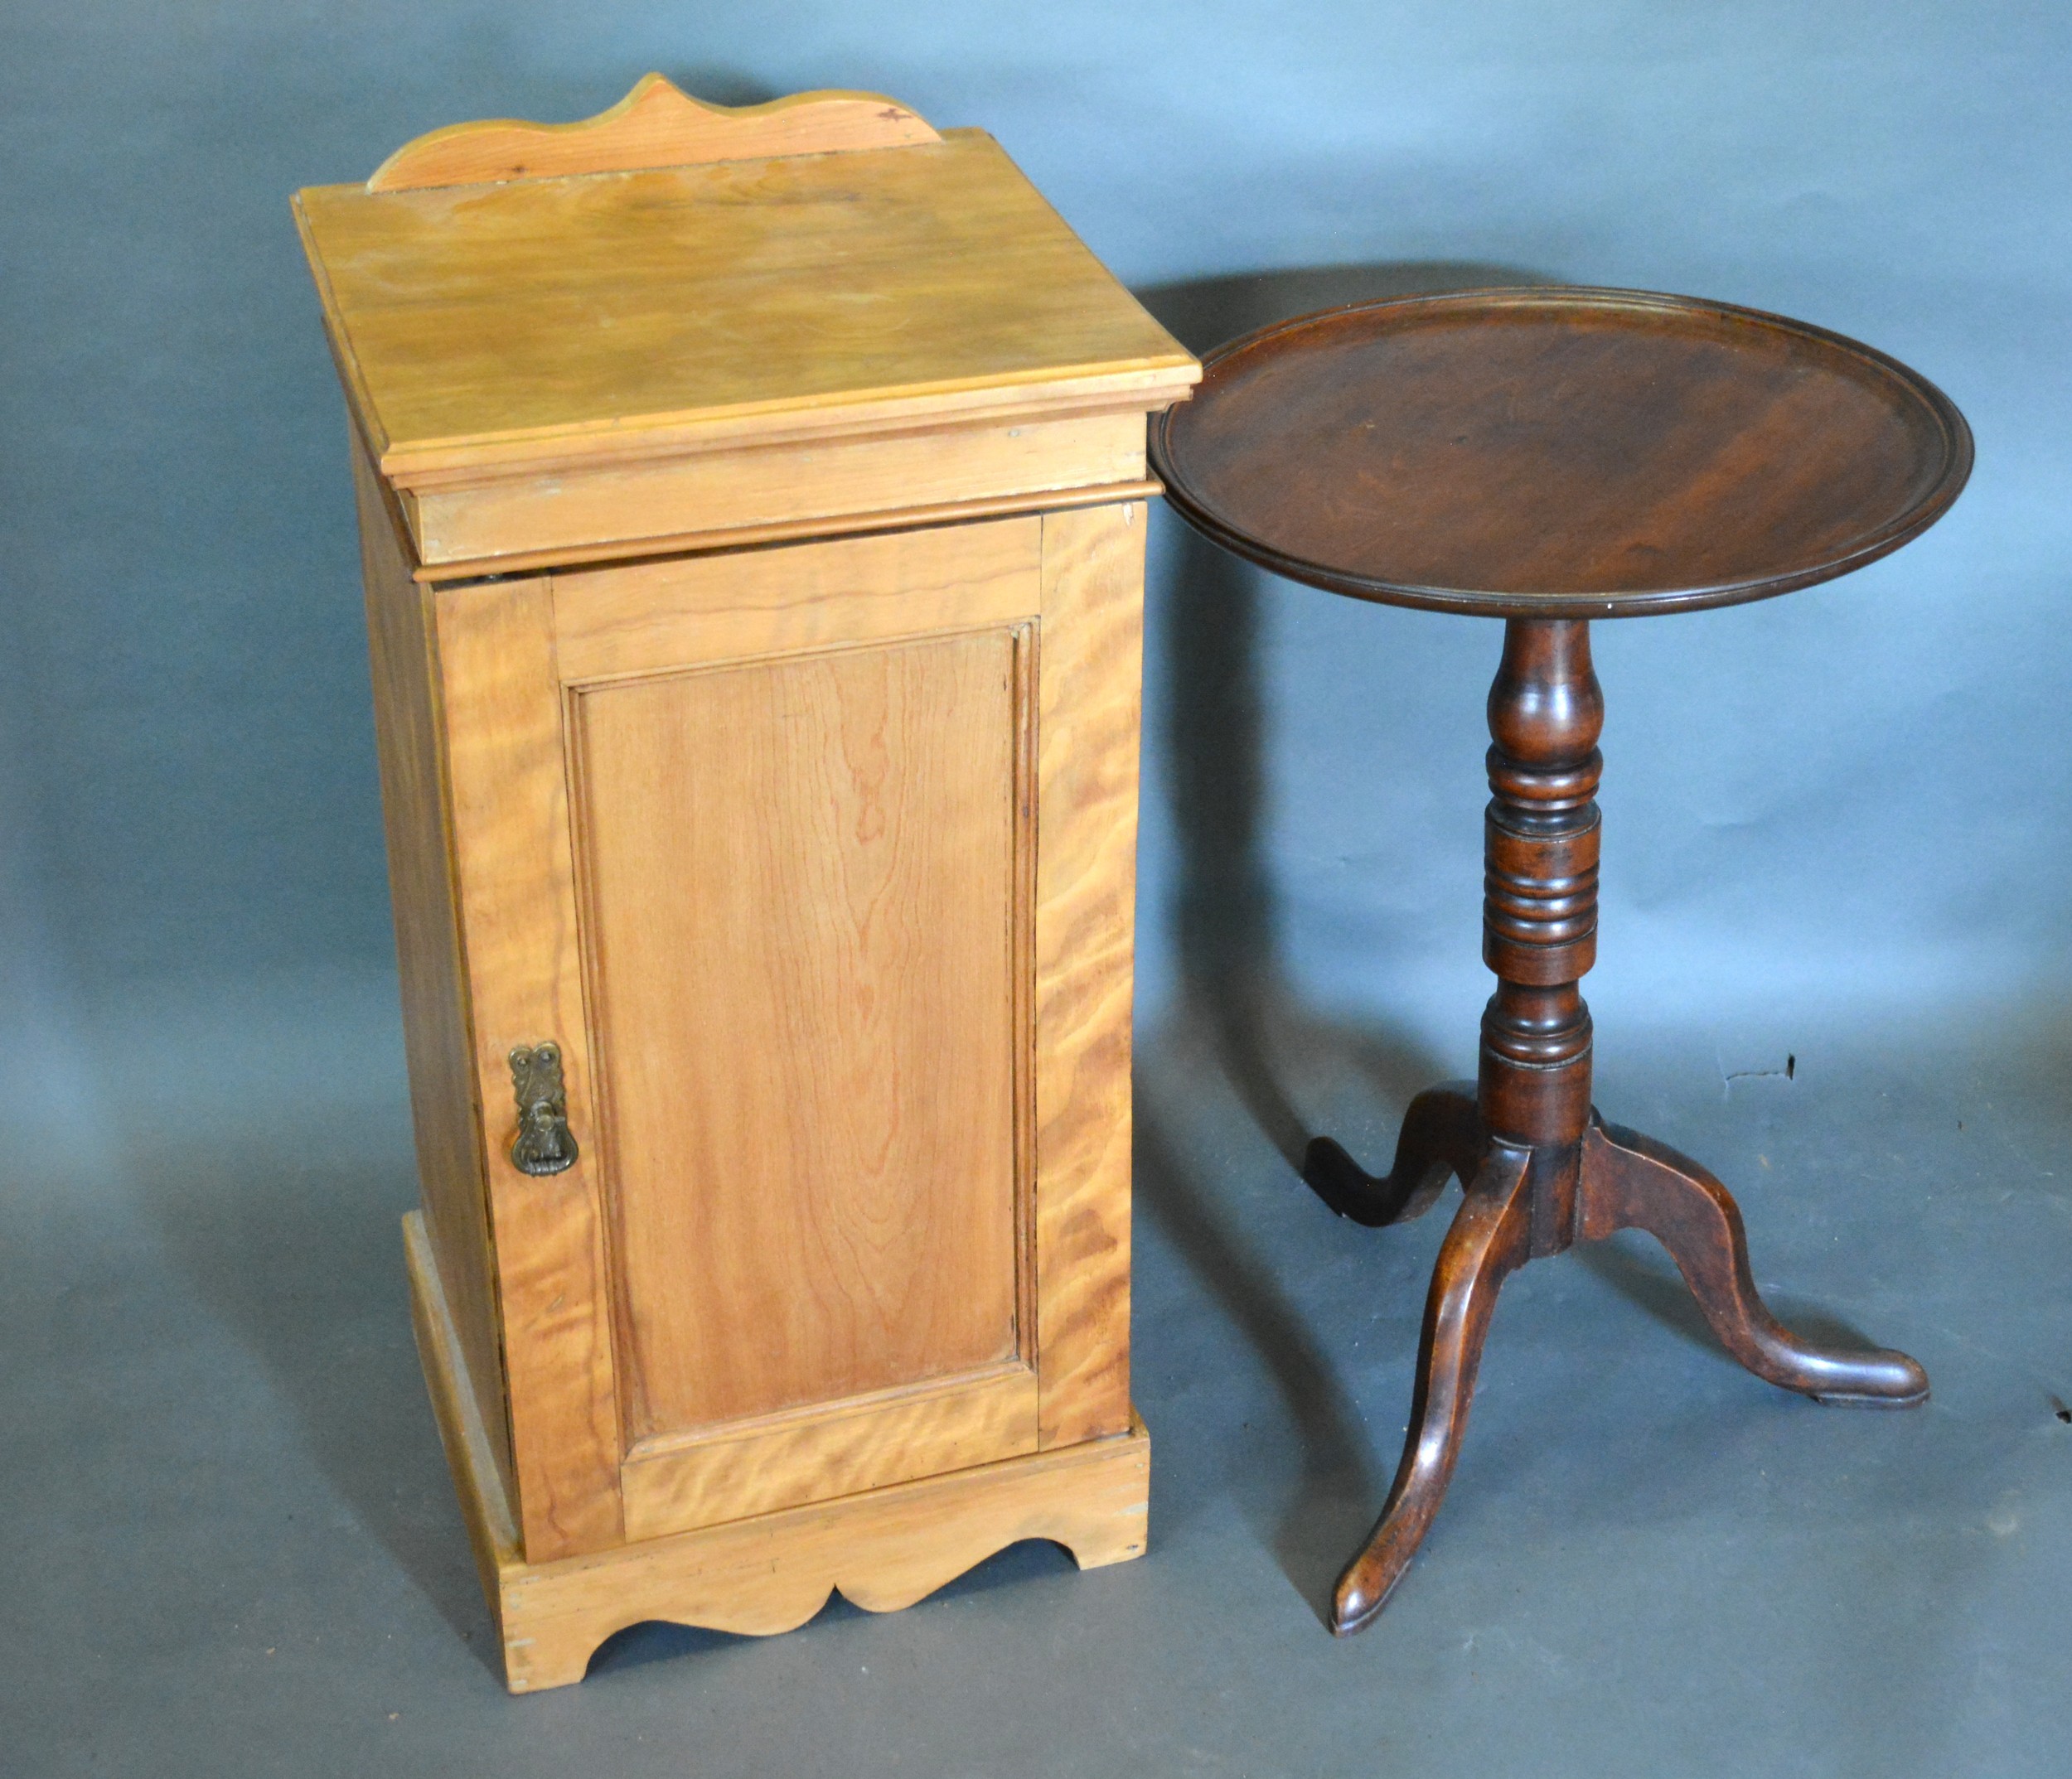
[[884, 1550]]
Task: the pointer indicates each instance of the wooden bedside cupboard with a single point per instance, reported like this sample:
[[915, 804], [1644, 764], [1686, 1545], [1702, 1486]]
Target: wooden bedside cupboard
[[752, 515]]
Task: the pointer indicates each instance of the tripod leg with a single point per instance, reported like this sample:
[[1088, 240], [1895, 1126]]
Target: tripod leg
[[1631, 1181], [1489, 1241], [1441, 1137]]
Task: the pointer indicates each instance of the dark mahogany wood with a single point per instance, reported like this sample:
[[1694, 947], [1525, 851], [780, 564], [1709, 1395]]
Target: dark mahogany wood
[[1441, 1136], [1547, 456], [1631, 1181], [1491, 1238], [1529, 451]]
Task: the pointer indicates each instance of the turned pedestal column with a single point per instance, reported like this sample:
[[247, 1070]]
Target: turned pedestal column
[[1541, 1170]]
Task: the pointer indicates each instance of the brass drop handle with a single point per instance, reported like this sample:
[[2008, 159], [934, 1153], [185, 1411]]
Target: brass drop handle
[[544, 1143]]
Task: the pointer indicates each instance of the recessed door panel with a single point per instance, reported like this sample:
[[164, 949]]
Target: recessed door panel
[[804, 901]]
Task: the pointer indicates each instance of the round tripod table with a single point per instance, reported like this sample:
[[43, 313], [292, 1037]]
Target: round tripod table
[[1547, 457]]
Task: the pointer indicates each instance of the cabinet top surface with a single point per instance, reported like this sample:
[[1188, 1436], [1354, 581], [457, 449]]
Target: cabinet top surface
[[739, 300]]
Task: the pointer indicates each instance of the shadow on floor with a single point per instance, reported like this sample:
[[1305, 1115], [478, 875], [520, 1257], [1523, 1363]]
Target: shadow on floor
[[264, 1131], [302, 1255]]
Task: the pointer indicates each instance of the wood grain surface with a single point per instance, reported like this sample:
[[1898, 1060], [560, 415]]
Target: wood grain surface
[[653, 617], [478, 1480], [824, 480], [436, 1039], [1085, 941], [800, 889], [1524, 452], [517, 895], [829, 1450], [883, 1549], [925, 515], [656, 124], [553, 315]]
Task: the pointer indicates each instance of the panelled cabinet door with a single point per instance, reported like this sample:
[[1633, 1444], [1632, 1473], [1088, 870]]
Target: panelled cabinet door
[[754, 838]]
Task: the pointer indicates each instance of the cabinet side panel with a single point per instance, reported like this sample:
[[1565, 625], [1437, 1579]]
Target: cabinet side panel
[[1089, 710], [435, 1033], [513, 859]]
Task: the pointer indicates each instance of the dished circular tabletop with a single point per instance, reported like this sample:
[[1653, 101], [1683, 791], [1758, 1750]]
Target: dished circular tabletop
[[1559, 451]]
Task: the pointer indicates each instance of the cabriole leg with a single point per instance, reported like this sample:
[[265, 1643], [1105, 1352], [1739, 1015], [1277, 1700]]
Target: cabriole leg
[[1441, 1137], [1631, 1181], [1487, 1242]]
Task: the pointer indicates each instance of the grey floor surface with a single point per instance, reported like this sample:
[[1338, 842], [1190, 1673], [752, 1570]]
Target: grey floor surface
[[233, 1549]]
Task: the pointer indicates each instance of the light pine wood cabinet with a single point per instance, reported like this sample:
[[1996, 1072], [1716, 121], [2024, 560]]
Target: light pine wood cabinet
[[752, 514]]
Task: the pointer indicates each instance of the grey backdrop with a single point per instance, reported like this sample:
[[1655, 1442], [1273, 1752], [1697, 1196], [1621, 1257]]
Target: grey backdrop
[[1837, 823], [1853, 795]]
